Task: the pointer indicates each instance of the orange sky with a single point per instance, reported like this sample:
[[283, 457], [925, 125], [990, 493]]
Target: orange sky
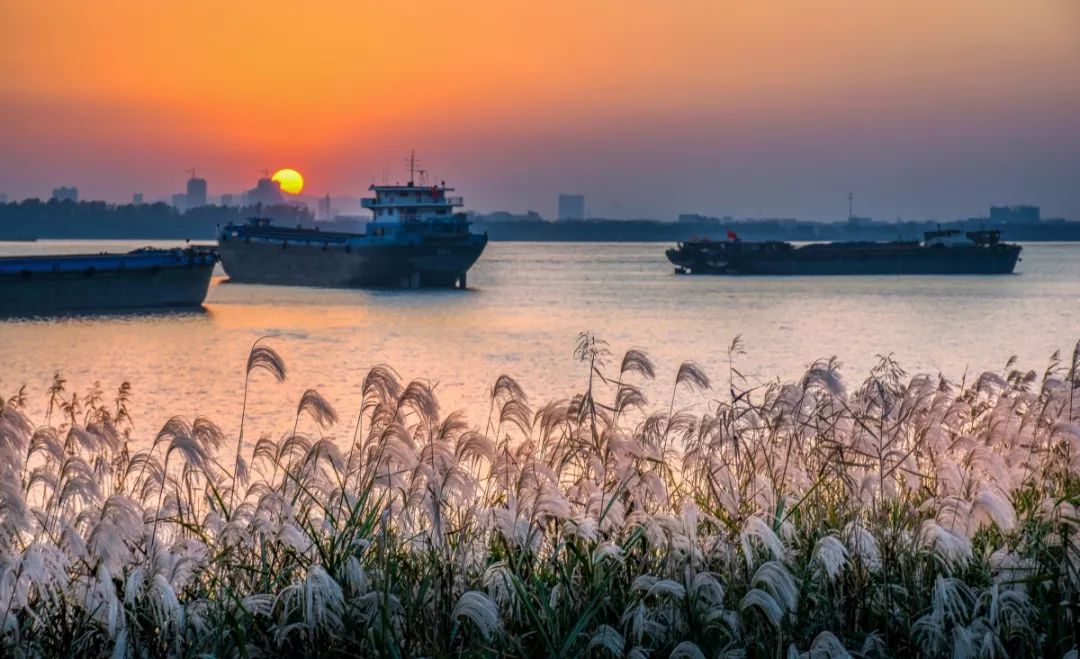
[[648, 107]]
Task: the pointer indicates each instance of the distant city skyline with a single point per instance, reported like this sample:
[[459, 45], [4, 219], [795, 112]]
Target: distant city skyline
[[922, 109], [569, 206], [267, 192]]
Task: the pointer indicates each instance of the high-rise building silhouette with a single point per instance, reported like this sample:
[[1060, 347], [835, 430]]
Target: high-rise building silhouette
[[3, 198], [571, 207], [266, 192], [196, 191], [65, 193], [137, 198], [227, 200]]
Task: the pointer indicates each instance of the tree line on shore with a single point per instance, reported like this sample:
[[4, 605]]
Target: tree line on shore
[[34, 218]]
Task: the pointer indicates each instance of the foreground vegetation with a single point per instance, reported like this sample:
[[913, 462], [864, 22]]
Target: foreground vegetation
[[901, 516]]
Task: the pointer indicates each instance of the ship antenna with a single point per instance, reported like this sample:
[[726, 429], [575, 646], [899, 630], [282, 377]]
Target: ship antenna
[[412, 166]]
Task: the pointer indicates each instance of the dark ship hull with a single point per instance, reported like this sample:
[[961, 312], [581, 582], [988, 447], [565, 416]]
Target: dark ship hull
[[143, 279], [299, 257], [897, 258]]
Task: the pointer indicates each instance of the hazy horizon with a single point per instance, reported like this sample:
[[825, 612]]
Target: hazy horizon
[[922, 110]]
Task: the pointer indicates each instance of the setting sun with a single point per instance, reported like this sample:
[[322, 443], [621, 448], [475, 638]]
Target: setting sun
[[290, 180]]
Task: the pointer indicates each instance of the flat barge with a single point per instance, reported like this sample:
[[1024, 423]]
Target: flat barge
[[146, 278], [946, 252]]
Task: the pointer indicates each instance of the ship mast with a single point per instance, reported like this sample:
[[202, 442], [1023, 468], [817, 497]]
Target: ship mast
[[412, 166]]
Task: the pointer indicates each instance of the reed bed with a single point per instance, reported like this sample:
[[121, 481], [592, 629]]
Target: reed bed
[[904, 515]]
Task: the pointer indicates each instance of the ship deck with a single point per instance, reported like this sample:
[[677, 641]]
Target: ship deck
[[286, 233], [136, 260]]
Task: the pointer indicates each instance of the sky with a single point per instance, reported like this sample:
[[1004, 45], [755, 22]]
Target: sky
[[762, 108]]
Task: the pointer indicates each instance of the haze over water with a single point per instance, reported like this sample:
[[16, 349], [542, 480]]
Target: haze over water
[[527, 303]]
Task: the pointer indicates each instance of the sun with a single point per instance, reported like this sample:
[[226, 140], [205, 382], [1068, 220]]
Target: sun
[[289, 180]]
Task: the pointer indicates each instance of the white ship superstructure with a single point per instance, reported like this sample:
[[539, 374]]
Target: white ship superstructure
[[414, 207]]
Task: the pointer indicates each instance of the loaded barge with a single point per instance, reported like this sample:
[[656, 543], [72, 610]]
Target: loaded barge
[[943, 252], [415, 239], [142, 279]]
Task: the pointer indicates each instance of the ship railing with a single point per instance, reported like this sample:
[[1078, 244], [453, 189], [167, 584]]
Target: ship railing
[[370, 203]]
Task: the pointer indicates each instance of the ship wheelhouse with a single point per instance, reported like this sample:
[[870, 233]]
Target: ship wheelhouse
[[427, 209]]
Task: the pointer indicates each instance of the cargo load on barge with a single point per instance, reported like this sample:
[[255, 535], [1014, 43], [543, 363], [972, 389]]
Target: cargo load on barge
[[943, 252]]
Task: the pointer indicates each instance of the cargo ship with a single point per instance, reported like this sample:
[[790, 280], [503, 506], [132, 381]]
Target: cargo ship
[[942, 252], [415, 239], [145, 278]]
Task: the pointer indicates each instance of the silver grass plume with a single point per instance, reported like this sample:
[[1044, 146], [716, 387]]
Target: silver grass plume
[[506, 388], [382, 383], [477, 607], [693, 376], [636, 360], [318, 408], [267, 359], [419, 397]]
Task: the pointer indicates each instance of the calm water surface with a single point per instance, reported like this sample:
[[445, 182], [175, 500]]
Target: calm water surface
[[527, 303]]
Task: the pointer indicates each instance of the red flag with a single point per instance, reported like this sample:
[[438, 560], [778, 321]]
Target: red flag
[[732, 235]]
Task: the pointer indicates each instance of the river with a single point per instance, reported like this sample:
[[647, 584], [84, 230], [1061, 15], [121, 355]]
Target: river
[[526, 305]]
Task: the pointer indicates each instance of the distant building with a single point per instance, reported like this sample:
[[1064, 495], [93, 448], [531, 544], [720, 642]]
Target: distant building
[[179, 201], [571, 207], [266, 192], [196, 192], [1015, 214], [228, 200], [64, 193], [137, 198], [3, 198]]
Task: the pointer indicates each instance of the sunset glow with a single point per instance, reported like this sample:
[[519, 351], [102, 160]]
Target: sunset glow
[[721, 105]]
